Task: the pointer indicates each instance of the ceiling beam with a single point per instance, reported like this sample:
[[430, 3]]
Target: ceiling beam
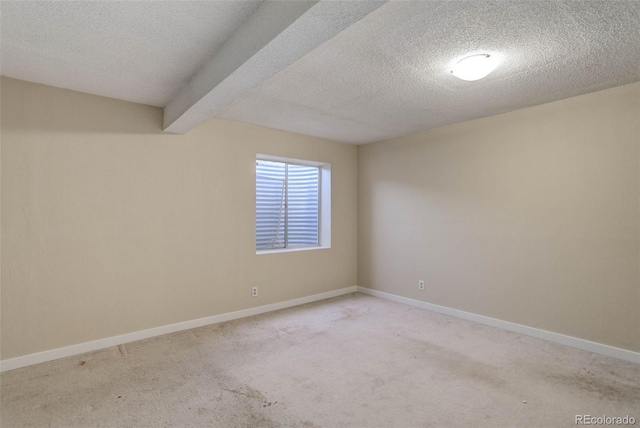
[[276, 35]]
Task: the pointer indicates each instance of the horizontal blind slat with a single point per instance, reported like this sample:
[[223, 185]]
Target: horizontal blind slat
[[302, 207], [270, 207]]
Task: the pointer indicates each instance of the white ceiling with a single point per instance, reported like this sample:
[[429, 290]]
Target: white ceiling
[[135, 51], [388, 75], [354, 72]]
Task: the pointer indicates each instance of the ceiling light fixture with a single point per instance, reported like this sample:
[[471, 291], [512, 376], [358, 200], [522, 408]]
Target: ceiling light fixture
[[474, 67]]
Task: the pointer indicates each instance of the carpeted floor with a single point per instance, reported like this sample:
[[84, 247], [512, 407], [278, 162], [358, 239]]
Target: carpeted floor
[[355, 361]]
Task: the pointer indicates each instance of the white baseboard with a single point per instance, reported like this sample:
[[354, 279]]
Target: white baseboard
[[81, 348], [585, 345]]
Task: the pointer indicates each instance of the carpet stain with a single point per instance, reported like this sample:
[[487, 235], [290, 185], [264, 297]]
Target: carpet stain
[[453, 364], [224, 328], [300, 329], [260, 420], [347, 313], [248, 392], [466, 369], [393, 367], [607, 388], [248, 399], [123, 350]]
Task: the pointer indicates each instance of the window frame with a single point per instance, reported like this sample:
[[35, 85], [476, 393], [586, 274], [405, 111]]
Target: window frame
[[324, 204]]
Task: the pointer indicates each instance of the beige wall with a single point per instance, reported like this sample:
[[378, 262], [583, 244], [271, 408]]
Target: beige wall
[[111, 226], [530, 217]]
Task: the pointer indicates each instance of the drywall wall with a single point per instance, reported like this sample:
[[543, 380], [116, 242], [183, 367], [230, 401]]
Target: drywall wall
[[111, 226], [530, 217]]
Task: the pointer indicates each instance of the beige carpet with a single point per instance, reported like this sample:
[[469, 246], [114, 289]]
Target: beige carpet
[[355, 361]]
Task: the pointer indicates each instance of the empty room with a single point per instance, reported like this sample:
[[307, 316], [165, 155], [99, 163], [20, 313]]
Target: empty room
[[264, 213]]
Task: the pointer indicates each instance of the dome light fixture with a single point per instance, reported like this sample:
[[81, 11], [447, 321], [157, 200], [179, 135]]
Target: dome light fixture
[[474, 67]]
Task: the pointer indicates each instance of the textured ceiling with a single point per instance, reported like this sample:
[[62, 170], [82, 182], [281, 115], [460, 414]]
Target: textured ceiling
[[379, 71], [275, 36], [135, 51], [388, 74]]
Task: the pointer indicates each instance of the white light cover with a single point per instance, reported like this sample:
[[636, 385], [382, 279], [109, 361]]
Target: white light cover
[[474, 67]]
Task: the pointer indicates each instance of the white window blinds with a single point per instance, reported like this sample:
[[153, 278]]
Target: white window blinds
[[287, 205]]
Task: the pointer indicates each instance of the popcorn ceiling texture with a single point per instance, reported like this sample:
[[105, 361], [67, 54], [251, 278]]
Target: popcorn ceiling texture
[[133, 51], [388, 74], [275, 36], [384, 76]]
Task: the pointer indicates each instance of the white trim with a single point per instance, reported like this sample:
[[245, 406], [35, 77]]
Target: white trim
[[324, 234], [290, 250], [303, 162], [586, 345], [81, 348], [324, 203]]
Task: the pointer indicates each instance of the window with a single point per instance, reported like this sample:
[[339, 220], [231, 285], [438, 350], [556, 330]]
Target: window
[[290, 202]]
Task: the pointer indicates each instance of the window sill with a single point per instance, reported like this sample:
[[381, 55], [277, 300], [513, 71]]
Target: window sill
[[290, 250]]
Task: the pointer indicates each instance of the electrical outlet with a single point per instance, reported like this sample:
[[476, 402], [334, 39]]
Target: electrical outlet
[[421, 285], [254, 292]]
